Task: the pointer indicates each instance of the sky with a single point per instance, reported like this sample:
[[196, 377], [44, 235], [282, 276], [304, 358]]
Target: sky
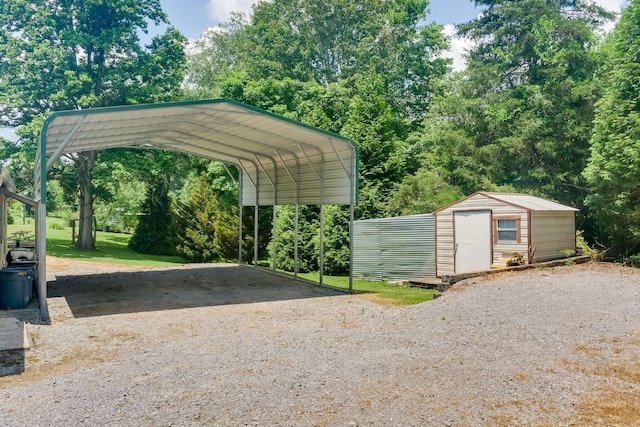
[[192, 17]]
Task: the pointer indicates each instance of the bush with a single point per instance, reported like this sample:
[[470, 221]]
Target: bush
[[56, 226], [584, 248], [632, 261]]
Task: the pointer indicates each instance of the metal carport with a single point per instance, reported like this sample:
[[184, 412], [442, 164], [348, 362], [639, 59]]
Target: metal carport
[[280, 161]]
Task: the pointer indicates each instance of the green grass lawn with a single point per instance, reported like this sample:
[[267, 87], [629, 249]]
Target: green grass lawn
[[112, 248], [400, 295]]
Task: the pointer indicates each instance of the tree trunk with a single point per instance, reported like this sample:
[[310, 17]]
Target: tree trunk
[[84, 165]]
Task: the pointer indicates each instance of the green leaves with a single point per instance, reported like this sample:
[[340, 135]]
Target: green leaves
[[68, 54], [329, 42], [613, 171], [532, 67]]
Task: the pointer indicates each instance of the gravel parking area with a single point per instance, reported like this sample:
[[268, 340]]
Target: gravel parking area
[[230, 346]]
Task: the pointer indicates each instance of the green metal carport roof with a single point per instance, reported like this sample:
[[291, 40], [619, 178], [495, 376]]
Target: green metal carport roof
[[281, 161]]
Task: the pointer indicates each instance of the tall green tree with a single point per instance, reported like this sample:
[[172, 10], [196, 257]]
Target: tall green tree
[[308, 238], [613, 171], [330, 42], [424, 192], [532, 66], [73, 54], [194, 224]]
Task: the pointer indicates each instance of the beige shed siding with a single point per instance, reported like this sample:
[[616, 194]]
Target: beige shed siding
[[445, 242], [552, 234]]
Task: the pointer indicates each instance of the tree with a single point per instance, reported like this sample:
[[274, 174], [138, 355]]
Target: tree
[[613, 170], [126, 194], [308, 238], [329, 42], [424, 192], [194, 224], [152, 234], [336, 256], [371, 124], [75, 54], [532, 65]]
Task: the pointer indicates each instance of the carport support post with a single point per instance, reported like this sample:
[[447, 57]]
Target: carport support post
[[295, 240], [351, 217], [41, 244], [40, 179], [352, 197], [256, 227], [240, 182]]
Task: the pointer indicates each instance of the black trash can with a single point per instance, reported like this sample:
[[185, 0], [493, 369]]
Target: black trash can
[[15, 288]]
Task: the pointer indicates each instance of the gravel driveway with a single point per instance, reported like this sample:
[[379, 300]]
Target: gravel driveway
[[229, 346]]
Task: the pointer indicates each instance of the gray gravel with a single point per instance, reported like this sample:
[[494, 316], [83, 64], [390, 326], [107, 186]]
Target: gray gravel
[[511, 349]]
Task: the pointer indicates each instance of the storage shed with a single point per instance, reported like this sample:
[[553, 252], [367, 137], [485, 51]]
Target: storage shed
[[482, 231], [487, 229]]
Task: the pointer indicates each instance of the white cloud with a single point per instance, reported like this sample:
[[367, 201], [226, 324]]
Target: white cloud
[[612, 5], [459, 47], [220, 10]]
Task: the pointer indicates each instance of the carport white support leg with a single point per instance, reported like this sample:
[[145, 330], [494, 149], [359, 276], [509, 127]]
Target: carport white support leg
[[256, 229], [351, 217], [41, 244], [275, 236], [240, 182], [321, 259], [295, 240]]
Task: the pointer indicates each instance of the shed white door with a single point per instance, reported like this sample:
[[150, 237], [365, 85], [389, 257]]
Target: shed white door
[[473, 240]]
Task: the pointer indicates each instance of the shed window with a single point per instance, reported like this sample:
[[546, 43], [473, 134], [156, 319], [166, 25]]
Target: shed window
[[508, 230]]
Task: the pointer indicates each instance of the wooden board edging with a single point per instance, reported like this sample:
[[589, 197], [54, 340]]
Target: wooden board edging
[[447, 281]]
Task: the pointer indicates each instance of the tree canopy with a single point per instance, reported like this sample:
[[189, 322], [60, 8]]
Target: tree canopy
[[71, 54], [529, 88], [613, 170]]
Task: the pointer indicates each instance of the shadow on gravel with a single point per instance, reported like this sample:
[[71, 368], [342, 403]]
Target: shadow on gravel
[[11, 362], [131, 292]]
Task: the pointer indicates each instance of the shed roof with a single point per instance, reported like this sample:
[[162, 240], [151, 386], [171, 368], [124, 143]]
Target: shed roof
[[281, 161], [528, 202], [524, 201]]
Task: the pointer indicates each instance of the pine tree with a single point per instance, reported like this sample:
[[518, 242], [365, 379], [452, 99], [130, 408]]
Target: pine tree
[[194, 224], [153, 234]]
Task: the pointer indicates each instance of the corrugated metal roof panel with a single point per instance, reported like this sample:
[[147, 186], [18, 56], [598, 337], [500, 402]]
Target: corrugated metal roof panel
[[271, 151], [529, 202]]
